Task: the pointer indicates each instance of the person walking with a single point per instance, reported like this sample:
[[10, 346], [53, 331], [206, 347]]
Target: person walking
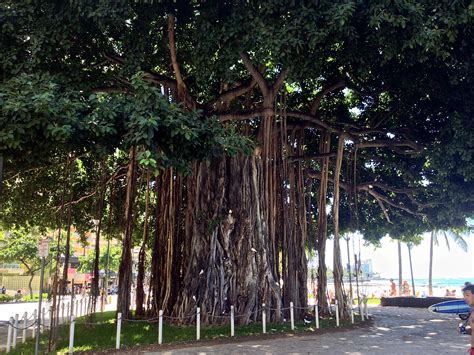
[[393, 288]]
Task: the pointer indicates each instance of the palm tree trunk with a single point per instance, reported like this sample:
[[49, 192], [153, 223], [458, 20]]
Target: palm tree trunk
[[411, 269], [400, 274], [430, 276]]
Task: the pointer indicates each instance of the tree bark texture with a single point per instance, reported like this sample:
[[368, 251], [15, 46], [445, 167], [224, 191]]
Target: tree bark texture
[[337, 261], [100, 211], [324, 147], [125, 269], [293, 225], [140, 311], [229, 258]]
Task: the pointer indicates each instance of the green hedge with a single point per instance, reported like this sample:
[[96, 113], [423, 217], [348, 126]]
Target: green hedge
[[35, 297], [6, 298]]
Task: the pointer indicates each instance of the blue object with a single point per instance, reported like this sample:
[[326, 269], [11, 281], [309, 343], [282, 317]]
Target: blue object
[[451, 307]]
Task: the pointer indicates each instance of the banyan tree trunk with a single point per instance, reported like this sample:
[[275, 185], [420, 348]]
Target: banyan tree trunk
[[100, 211], [167, 255], [337, 261], [324, 147], [293, 222], [140, 311], [125, 269], [228, 254]]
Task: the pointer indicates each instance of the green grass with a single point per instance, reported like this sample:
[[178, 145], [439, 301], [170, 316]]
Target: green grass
[[102, 335], [374, 300], [28, 298]]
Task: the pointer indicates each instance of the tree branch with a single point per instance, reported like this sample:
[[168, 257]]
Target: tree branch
[[395, 145], [242, 116], [295, 158], [382, 207], [393, 204], [262, 83], [174, 58], [312, 119], [326, 90], [279, 82], [364, 187], [228, 96]]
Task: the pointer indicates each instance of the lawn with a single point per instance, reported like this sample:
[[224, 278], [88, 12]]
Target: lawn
[[373, 300], [101, 335]]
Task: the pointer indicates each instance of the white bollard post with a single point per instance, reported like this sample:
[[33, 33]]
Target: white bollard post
[[232, 321], [33, 328], [76, 308], [82, 308], [361, 307], [316, 315], [198, 323], [119, 328], [68, 312], [71, 335], [10, 334], [15, 331], [292, 316], [160, 327], [264, 319], [25, 320], [337, 314]]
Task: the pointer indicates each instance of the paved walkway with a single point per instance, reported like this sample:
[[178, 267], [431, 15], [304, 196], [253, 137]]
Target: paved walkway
[[394, 331]]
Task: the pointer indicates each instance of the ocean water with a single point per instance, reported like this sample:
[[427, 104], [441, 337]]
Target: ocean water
[[379, 287], [456, 282], [439, 283]]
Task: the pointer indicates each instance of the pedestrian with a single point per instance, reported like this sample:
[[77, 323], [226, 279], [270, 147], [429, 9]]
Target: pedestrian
[[393, 288], [468, 293], [406, 288], [4, 290]]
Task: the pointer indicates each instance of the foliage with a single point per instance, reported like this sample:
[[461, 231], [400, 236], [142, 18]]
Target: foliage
[[21, 246], [87, 261], [6, 298]]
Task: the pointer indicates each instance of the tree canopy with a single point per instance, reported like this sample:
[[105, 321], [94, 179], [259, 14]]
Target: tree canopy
[[364, 107]]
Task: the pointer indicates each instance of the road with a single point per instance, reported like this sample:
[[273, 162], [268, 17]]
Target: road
[[394, 331]]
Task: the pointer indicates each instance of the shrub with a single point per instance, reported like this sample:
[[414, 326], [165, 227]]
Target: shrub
[[5, 298]]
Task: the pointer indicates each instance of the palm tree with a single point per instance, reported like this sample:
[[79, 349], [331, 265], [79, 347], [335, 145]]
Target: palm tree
[[400, 275], [434, 240]]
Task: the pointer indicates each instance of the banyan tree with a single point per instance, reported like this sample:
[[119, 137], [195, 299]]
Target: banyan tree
[[227, 139]]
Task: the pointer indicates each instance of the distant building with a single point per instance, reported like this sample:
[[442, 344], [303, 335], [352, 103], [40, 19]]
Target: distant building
[[366, 268]]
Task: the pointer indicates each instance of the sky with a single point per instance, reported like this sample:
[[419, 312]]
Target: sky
[[453, 263]]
